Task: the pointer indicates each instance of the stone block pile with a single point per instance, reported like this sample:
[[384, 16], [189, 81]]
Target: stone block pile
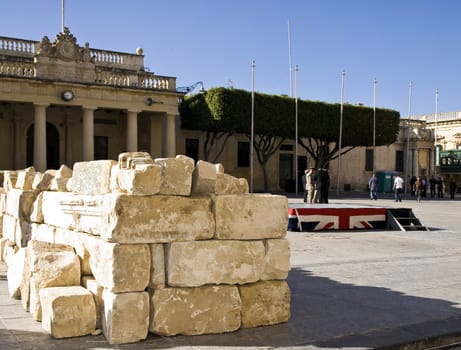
[[144, 245]]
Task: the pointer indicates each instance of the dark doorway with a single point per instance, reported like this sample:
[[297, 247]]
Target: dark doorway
[[52, 146]]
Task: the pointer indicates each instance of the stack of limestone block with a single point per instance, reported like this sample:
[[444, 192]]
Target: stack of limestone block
[[160, 245]]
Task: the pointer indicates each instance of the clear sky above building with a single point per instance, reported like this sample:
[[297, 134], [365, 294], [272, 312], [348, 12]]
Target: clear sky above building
[[394, 41]]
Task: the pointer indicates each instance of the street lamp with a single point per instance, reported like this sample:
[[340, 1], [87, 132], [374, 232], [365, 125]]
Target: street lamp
[[408, 167], [343, 74], [374, 126], [296, 129], [252, 122]]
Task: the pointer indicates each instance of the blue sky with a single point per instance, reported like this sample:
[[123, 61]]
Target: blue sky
[[215, 41]]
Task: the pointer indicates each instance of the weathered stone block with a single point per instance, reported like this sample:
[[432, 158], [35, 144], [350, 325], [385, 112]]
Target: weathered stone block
[[265, 303], [43, 232], [126, 317], [19, 203], [15, 272], [25, 179], [191, 264], [144, 179], [176, 175], [4, 242], [74, 212], [36, 214], [156, 219], [96, 290], [252, 216], [9, 227], [92, 178], [277, 260], [157, 266], [60, 178], [2, 200], [194, 311], [42, 181], [9, 179], [119, 267], [76, 240], [227, 184], [50, 268], [23, 233], [67, 311], [204, 177]]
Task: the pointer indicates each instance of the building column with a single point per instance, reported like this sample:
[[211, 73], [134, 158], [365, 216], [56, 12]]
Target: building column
[[132, 131], [69, 155], [18, 127], [40, 137], [88, 133], [170, 135]]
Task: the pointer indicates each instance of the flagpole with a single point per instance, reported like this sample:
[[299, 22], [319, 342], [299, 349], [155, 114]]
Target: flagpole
[[343, 74], [296, 129], [289, 60], [407, 163], [62, 15], [435, 131], [374, 126], [252, 122]]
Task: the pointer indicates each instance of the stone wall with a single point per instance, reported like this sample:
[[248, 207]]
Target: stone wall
[[163, 246]]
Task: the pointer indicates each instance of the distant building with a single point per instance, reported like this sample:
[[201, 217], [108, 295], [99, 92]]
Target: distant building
[[61, 103]]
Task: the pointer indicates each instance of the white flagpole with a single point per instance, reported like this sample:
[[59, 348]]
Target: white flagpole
[[62, 16], [407, 162], [374, 125], [343, 75], [436, 160], [252, 122], [289, 60], [296, 129]]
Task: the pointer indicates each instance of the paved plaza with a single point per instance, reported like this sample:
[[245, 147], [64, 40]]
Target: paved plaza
[[349, 289]]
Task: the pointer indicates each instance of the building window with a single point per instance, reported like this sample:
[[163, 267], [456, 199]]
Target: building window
[[192, 149], [398, 160], [101, 147], [369, 160], [243, 154]]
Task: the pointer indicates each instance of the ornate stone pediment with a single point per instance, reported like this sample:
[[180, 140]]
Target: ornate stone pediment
[[64, 47]]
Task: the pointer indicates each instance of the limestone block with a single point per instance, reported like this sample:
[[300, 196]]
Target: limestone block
[[145, 179], [204, 177], [252, 216], [156, 219], [10, 250], [277, 260], [194, 311], [265, 303], [19, 203], [126, 317], [76, 240], [23, 233], [92, 178], [4, 242], [227, 184], [74, 212], [36, 214], [96, 290], [2, 200], [9, 227], [119, 267], [129, 160], [50, 269], [191, 264], [42, 181], [176, 175], [25, 179], [15, 272], [1, 224], [9, 179], [157, 266], [43, 232], [67, 311], [59, 181]]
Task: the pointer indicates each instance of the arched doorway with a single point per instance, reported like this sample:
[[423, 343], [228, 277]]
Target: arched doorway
[[52, 146]]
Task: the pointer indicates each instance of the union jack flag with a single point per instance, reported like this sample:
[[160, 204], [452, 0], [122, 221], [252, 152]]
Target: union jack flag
[[318, 219]]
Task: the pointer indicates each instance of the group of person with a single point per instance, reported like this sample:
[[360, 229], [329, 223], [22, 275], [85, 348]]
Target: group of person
[[316, 183], [418, 187]]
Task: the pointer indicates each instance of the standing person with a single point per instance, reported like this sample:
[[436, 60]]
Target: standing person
[[439, 185], [373, 185], [304, 186], [323, 184], [310, 185], [412, 183], [432, 183], [453, 187], [418, 188], [398, 188]]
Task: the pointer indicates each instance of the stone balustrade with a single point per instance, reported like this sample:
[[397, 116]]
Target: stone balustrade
[[163, 245], [19, 47]]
